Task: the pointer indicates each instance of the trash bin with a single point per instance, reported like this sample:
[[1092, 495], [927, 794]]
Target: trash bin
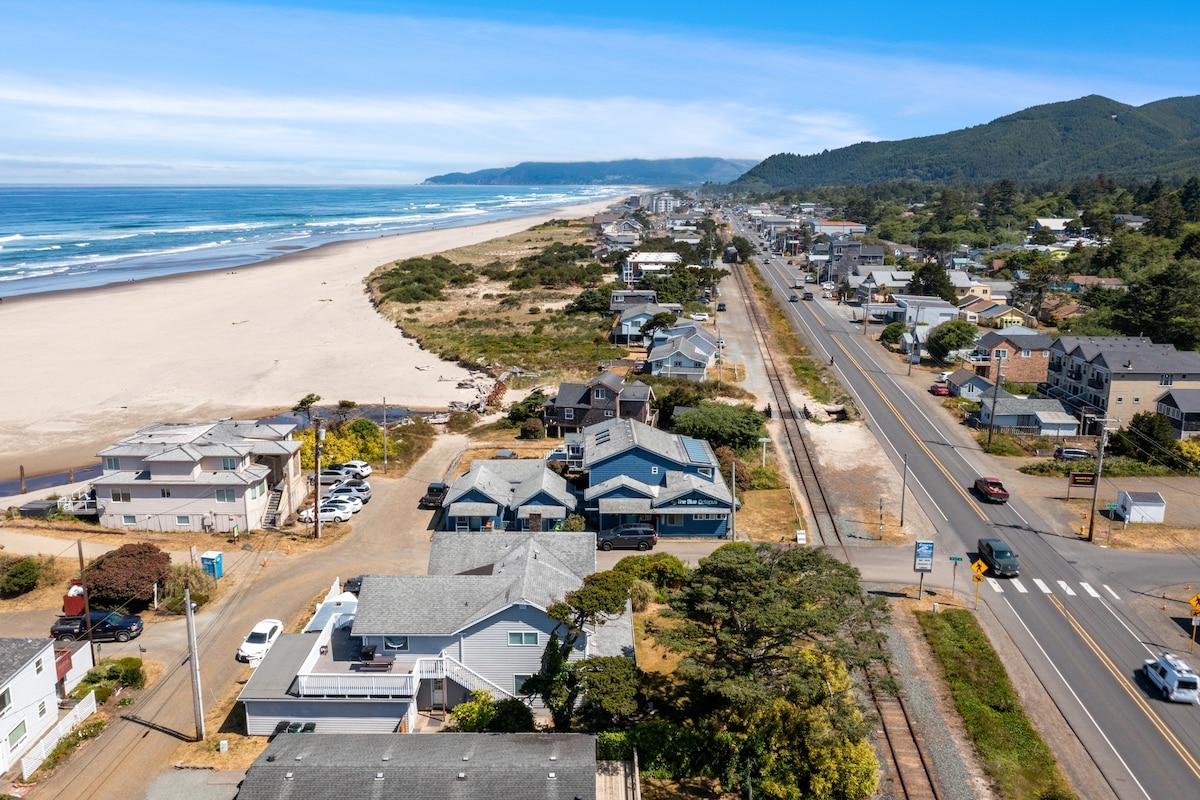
[[211, 562]]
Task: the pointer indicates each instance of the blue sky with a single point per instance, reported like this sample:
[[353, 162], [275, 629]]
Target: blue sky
[[175, 91]]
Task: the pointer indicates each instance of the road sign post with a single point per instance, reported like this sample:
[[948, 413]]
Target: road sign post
[[922, 563], [954, 572]]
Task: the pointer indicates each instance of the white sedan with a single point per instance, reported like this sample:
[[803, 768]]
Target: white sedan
[[350, 501], [361, 469], [329, 513], [259, 640], [699, 317]]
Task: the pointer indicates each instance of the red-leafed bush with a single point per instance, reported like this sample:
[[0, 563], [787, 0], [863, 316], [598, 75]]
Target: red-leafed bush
[[127, 575]]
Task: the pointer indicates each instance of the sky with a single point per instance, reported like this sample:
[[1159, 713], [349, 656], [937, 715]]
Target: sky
[[375, 92]]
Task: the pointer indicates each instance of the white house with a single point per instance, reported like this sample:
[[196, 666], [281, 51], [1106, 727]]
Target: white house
[[28, 700], [638, 265], [202, 476]]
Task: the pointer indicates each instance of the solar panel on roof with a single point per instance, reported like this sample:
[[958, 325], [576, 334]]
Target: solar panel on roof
[[694, 448]]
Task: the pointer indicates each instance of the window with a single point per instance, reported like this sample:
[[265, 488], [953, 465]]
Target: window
[[608, 413], [395, 642], [129, 519], [654, 470], [230, 462], [1026, 353], [1137, 400], [42, 709], [183, 520], [519, 682], [38, 666], [706, 472], [16, 736], [523, 638], [164, 492], [568, 413], [598, 393], [119, 495], [1000, 353], [701, 517], [112, 463], [1166, 380], [224, 495], [1120, 399], [673, 519], [5, 700]]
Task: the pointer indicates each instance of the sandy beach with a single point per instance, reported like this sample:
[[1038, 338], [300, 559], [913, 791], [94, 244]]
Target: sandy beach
[[84, 368]]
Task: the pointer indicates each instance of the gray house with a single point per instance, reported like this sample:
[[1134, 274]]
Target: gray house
[[423, 642], [1045, 417], [577, 405], [502, 494], [628, 329], [449, 766]]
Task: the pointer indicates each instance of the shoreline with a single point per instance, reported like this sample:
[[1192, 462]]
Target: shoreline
[[91, 365]]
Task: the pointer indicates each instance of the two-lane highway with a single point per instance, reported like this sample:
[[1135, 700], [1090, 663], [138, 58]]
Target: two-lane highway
[[1070, 618]]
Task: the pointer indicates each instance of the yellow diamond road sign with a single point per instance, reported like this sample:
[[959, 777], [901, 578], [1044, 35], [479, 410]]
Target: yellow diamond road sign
[[1195, 601], [979, 567]]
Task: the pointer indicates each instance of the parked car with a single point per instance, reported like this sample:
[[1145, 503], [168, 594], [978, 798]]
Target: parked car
[[259, 640], [353, 585], [328, 477], [699, 316], [826, 295], [434, 493], [991, 489], [1176, 680], [329, 513], [635, 536], [943, 376], [940, 390], [107, 626], [1071, 453], [358, 489], [350, 501], [1000, 557], [361, 468]]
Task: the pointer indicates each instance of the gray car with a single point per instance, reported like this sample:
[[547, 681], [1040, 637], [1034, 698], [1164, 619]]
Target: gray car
[[1000, 557], [628, 537]]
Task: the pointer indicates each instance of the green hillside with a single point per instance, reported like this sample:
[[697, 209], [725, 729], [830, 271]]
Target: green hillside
[[1054, 142], [631, 172]]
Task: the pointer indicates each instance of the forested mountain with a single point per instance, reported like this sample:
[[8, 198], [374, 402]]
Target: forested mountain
[[637, 172], [1055, 142]]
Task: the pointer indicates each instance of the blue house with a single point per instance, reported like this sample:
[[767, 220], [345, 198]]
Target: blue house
[[517, 495], [637, 473]]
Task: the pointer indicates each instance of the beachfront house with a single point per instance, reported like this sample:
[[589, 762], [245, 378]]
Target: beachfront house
[[636, 473], [638, 265], [421, 643], [223, 476], [628, 328], [577, 405]]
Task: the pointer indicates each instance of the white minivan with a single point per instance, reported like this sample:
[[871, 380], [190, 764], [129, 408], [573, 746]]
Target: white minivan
[[1174, 678]]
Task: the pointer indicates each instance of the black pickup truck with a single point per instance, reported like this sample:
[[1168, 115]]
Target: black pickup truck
[[106, 626]]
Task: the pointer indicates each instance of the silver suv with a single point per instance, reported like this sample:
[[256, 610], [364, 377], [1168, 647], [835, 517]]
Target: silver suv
[[1173, 677]]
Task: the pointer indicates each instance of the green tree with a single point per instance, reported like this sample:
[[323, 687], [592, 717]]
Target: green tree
[[1038, 273], [609, 688], [511, 716], [1164, 305], [1043, 236], [19, 576], [1147, 438], [1166, 217], [343, 410], [659, 322], [951, 335], [528, 408], [931, 280], [722, 425], [305, 405], [593, 301], [892, 332]]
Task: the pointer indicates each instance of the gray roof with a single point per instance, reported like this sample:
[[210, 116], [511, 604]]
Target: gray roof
[[1089, 348], [192, 440], [679, 344], [509, 569], [244, 477], [16, 653], [1186, 400], [1024, 339], [272, 678], [1149, 498], [1026, 405], [445, 766], [615, 436], [509, 482], [681, 483]]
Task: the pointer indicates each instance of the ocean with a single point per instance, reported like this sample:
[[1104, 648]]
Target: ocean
[[58, 238]]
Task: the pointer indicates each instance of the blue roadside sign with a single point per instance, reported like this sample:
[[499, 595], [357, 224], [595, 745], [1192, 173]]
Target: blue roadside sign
[[923, 557]]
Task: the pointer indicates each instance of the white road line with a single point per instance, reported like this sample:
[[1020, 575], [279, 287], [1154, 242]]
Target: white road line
[[1115, 596], [1087, 588], [1042, 585], [1066, 588], [1020, 587], [995, 585]]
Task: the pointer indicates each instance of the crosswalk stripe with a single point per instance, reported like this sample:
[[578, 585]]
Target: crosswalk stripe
[[1042, 585], [995, 585], [1115, 596], [1066, 588], [1020, 587], [1089, 589]]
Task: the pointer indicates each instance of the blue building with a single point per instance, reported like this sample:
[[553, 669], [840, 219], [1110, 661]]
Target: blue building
[[636, 473], [499, 495]]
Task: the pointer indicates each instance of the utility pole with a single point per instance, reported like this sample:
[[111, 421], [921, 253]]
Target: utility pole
[[194, 661], [385, 436], [903, 489], [87, 608], [733, 506], [1096, 482], [995, 394], [318, 437]]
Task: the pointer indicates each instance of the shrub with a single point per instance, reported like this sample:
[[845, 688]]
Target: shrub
[[642, 594], [127, 574], [510, 715], [575, 522], [19, 577], [533, 429]]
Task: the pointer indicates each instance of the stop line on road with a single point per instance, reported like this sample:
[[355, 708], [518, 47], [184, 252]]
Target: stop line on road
[[1044, 588]]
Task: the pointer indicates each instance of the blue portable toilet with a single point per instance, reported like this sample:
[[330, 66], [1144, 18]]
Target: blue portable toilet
[[211, 562]]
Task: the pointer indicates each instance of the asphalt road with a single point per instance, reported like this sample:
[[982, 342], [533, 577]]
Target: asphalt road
[[1070, 612]]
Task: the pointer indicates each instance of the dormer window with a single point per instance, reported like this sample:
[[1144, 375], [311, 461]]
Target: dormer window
[[598, 393], [1166, 380], [112, 463], [230, 463]]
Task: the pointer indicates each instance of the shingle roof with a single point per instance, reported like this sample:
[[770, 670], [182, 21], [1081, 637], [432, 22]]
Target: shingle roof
[[445, 766], [1186, 400], [16, 653], [611, 437], [510, 482]]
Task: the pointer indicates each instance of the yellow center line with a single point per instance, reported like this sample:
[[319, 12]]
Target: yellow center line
[[920, 443], [1134, 692]]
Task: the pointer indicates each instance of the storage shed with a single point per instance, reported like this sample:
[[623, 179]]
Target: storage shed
[[1141, 506]]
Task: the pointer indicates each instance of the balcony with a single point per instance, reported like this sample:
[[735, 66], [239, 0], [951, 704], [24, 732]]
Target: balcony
[[1096, 383]]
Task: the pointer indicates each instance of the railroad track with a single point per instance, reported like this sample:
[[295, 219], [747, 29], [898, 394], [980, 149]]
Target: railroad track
[[911, 775]]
